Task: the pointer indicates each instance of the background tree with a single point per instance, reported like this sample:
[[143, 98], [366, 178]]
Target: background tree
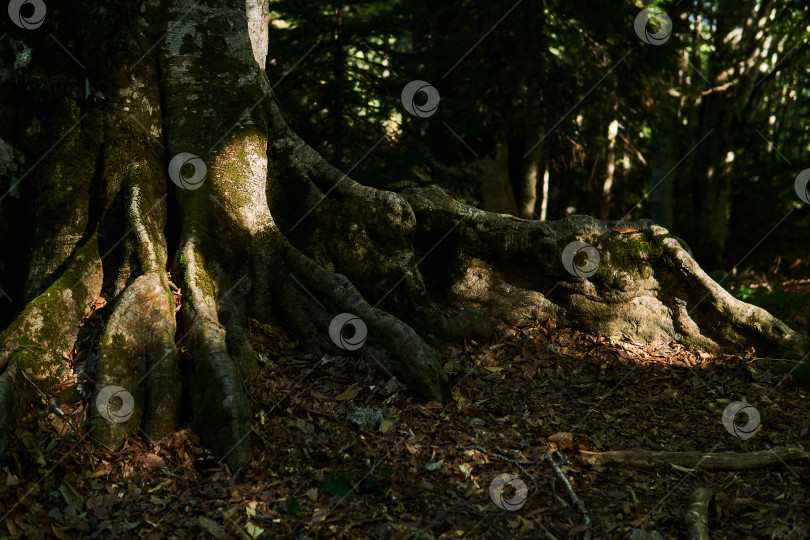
[[607, 116]]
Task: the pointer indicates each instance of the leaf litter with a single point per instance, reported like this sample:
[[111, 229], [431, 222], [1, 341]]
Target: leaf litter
[[341, 452]]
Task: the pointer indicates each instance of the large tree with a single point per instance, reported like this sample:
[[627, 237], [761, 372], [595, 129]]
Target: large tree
[[145, 145]]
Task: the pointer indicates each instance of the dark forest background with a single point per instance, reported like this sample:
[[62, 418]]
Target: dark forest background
[[704, 133]]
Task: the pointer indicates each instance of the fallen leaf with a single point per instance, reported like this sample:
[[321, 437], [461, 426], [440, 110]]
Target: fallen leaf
[[392, 385], [350, 393], [573, 531], [436, 465], [474, 411], [562, 439], [153, 461], [253, 530], [70, 495], [292, 506], [214, 529], [59, 533], [386, 425]]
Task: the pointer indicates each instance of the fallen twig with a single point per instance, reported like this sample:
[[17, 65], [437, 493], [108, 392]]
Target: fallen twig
[[732, 461], [697, 515], [48, 400], [576, 501]]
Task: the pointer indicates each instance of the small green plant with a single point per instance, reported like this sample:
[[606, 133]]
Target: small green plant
[[380, 480], [337, 484], [292, 507]]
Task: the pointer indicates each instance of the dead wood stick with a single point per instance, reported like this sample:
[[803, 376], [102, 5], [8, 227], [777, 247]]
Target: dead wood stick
[[697, 515], [732, 461], [577, 502]]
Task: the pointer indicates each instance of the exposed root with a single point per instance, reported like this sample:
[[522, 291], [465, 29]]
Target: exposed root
[[392, 346], [548, 458], [220, 409], [366, 234], [646, 285], [138, 354], [725, 320], [49, 324], [276, 232], [38, 337], [138, 361]]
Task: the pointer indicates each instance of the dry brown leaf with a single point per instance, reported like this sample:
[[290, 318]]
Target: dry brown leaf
[[59, 533], [214, 529], [350, 393], [625, 230], [474, 411], [153, 460], [101, 470], [562, 439]]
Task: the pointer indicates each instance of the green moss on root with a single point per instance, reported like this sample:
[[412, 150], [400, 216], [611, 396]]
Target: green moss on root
[[48, 325]]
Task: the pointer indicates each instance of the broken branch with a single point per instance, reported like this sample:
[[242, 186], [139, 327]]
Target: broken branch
[[697, 515], [576, 501], [731, 461]]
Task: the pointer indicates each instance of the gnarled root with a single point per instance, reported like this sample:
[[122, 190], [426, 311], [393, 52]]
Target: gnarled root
[[220, 409], [646, 284], [392, 346], [33, 345], [138, 356]]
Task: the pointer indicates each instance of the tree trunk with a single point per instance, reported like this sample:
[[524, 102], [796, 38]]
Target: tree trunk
[[544, 193], [533, 146], [664, 170], [496, 189], [610, 159], [179, 159]]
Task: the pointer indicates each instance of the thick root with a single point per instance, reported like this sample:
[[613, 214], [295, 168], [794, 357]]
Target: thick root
[[390, 346], [46, 329], [730, 461], [697, 515], [646, 284], [49, 324], [220, 409], [365, 234], [138, 356], [258, 236], [138, 362]]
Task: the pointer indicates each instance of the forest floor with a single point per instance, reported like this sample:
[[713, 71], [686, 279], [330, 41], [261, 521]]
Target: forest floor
[[341, 452]]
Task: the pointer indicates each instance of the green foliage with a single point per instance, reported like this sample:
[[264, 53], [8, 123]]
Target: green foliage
[[337, 484], [291, 505], [527, 81], [379, 480], [339, 101]]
